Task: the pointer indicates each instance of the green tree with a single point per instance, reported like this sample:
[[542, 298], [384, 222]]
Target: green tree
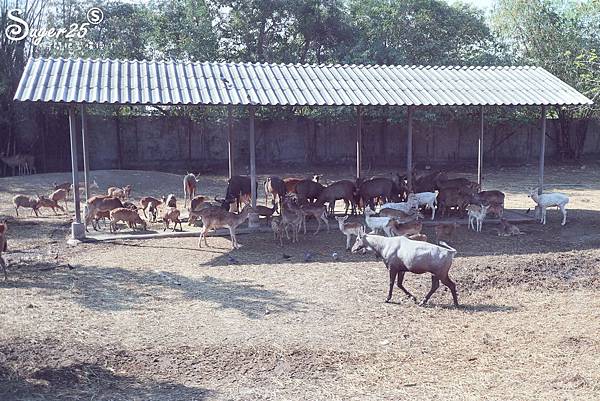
[[13, 57], [123, 33], [183, 29], [563, 37], [419, 32], [321, 31]]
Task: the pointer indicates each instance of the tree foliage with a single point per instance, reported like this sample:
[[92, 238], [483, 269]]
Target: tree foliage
[[418, 32], [563, 36]]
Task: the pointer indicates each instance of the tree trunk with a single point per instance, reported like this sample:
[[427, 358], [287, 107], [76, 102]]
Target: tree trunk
[[260, 43], [581, 128], [563, 143], [304, 51]]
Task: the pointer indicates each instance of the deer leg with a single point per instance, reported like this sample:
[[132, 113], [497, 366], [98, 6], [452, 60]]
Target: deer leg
[[234, 243], [203, 231], [17, 210], [393, 273], [203, 235], [318, 218], [450, 284], [435, 283], [287, 234], [324, 218], [401, 286], [348, 241]]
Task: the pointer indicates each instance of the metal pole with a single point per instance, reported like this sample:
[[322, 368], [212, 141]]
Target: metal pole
[[230, 139], [358, 140], [542, 152], [409, 146], [253, 217], [77, 228], [480, 152], [85, 152]]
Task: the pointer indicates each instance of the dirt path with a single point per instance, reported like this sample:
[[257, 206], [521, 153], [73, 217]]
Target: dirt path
[[162, 320]]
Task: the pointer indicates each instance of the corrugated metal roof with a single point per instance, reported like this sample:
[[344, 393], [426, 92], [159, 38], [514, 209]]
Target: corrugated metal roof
[[173, 82]]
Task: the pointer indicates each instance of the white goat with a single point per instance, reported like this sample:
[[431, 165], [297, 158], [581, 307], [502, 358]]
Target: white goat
[[476, 214], [377, 223], [410, 206], [428, 199], [545, 201], [348, 229]]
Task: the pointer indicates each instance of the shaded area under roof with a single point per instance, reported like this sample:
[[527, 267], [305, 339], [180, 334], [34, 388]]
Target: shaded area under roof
[[212, 83]]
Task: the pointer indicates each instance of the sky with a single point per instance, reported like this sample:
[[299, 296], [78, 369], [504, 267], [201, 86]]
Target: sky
[[483, 4]]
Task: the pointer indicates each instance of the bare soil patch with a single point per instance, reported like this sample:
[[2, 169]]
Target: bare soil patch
[[162, 320]]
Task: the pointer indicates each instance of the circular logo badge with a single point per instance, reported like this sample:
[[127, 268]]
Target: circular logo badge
[[95, 15]]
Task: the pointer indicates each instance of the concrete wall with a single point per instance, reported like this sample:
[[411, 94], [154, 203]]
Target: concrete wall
[[178, 144]]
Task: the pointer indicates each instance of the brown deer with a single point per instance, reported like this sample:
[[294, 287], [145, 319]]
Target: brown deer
[[172, 214], [121, 193], [60, 195], [215, 217], [49, 203], [26, 201], [100, 203], [22, 163], [190, 183], [131, 217], [149, 201]]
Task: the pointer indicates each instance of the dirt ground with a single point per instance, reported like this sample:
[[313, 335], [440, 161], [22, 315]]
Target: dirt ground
[[161, 320]]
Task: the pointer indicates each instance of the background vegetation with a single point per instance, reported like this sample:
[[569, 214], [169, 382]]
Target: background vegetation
[[562, 36]]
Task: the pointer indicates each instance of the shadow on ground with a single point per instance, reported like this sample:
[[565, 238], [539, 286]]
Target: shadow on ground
[[114, 289], [78, 381]]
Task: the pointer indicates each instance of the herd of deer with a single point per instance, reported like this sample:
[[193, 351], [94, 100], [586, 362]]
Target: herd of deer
[[21, 163], [387, 205], [296, 199]]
